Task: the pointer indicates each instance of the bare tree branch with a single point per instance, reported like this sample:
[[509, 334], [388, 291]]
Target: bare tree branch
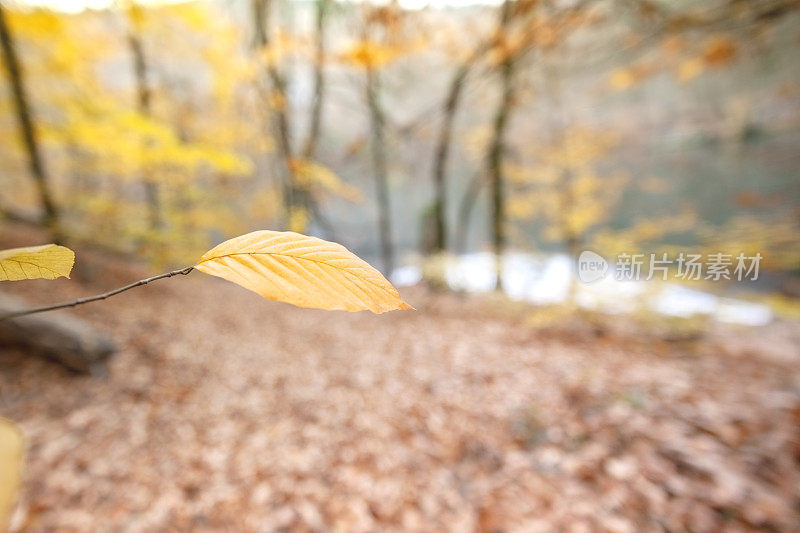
[[81, 301]]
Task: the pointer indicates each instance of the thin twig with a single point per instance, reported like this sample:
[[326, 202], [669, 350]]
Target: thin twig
[[79, 301]]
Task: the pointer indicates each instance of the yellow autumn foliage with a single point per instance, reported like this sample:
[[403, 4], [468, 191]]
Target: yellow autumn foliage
[[367, 53], [311, 174], [564, 190]]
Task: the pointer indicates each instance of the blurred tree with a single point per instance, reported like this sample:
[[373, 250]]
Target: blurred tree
[[278, 104], [139, 61], [321, 8], [494, 157], [27, 129], [300, 201], [444, 142], [380, 45], [565, 191], [98, 146]]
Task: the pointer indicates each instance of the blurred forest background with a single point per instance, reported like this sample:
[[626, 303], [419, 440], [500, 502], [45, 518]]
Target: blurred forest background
[[620, 126], [428, 138]]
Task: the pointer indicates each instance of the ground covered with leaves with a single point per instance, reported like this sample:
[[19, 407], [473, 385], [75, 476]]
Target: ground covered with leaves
[[222, 411]]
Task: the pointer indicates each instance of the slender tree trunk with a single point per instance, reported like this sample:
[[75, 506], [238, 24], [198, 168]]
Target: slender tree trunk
[[27, 129], [315, 118], [571, 239], [442, 152], [143, 103], [279, 111], [495, 166], [296, 196], [567, 207], [319, 81], [378, 146], [465, 212], [497, 152], [443, 147]]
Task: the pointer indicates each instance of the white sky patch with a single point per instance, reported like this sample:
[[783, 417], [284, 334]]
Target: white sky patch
[[75, 6]]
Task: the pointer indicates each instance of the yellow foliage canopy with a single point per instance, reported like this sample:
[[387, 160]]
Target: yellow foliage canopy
[[369, 54], [303, 271], [311, 174]]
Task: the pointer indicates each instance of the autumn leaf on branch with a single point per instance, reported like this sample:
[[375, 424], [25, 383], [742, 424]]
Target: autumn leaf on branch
[[48, 261], [281, 266], [303, 271]]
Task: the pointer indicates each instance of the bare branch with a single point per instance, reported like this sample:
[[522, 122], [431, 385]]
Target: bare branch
[[80, 301]]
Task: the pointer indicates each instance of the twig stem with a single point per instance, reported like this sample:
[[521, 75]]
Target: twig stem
[[80, 301]]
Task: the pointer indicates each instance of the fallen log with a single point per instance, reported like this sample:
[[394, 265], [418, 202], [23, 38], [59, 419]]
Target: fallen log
[[62, 338]]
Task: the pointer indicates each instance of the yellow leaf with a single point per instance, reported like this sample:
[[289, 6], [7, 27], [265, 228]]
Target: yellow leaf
[[48, 261], [11, 449], [303, 271]]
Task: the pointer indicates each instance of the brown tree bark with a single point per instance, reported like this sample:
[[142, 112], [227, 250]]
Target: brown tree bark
[[27, 129]]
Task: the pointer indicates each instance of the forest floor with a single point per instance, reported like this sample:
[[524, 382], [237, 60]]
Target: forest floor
[[222, 411]]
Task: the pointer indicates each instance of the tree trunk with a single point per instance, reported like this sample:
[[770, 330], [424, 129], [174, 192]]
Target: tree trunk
[[378, 145], [465, 212], [279, 111], [143, 95], [497, 152], [443, 147], [315, 118], [442, 151], [319, 81], [296, 196], [27, 130], [572, 240]]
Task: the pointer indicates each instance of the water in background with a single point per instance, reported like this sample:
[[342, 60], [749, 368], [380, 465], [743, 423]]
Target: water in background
[[548, 279]]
